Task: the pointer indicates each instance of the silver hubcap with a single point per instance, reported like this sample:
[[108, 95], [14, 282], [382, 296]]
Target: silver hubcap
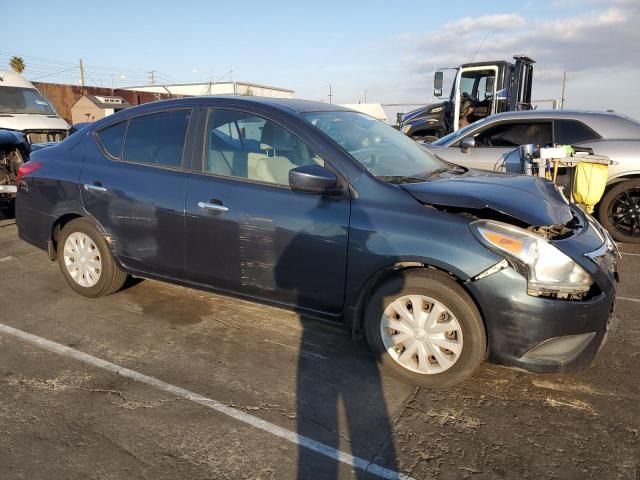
[[421, 334], [82, 259]]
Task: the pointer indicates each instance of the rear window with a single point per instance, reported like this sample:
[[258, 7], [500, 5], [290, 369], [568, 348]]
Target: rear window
[[112, 138], [569, 132], [157, 138]]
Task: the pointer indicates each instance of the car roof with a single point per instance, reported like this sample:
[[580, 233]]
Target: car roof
[[609, 125], [13, 79], [291, 105]]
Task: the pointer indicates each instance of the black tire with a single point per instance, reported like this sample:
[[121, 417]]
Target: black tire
[[623, 229], [441, 287], [111, 278]]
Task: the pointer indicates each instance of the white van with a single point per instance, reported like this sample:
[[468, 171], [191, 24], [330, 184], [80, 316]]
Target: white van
[[26, 118], [24, 109]]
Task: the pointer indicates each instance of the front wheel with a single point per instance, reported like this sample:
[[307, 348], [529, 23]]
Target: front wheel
[[424, 329], [86, 261], [619, 211]]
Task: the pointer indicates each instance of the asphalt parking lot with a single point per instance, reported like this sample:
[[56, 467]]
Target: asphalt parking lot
[[259, 375]]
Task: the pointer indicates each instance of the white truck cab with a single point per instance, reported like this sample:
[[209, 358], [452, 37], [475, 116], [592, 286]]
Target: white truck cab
[[26, 118]]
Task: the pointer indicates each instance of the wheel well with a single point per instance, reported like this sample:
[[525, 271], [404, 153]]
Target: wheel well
[[58, 225], [616, 181], [355, 320]]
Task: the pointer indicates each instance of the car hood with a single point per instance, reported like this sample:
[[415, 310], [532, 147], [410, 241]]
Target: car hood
[[32, 121], [532, 200], [419, 112]]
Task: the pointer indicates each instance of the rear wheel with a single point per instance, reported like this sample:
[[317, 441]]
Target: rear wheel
[[425, 329], [86, 261], [619, 211]]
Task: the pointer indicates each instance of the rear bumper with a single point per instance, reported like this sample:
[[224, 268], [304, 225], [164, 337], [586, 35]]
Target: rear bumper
[[34, 227], [540, 334]]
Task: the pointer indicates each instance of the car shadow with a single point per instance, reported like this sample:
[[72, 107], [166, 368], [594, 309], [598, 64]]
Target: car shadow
[[340, 397]]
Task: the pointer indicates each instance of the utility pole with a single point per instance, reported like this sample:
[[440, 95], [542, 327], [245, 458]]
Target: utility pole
[[365, 96], [81, 74], [564, 82], [152, 76], [330, 94]]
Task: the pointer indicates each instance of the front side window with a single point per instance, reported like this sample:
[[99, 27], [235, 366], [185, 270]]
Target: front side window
[[380, 148], [18, 100], [515, 134], [157, 138], [570, 132], [244, 145], [112, 138]]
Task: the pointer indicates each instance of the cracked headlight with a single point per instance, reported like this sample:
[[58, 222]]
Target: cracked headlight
[[406, 128], [546, 268]]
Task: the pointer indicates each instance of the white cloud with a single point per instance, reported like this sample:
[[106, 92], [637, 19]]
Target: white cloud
[[599, 47], [500, 22]]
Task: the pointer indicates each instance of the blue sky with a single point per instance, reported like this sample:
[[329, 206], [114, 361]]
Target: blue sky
[[386, 48]]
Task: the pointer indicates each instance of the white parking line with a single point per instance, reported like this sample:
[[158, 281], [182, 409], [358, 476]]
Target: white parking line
[[239, 415], [618, 297]]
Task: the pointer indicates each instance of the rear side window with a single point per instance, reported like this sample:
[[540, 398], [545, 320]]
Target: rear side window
[[157, 138], [112, 138], [568, 132]]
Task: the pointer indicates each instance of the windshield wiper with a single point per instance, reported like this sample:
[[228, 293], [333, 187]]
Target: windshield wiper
[[457, 169], [398, 179]]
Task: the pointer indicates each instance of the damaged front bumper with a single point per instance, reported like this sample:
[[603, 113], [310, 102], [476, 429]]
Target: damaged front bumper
[[550, 335], [541, 334]]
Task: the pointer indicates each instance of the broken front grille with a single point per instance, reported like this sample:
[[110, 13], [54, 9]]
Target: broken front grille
[[43, 136]]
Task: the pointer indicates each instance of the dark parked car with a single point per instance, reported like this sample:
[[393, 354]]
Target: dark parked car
[[335, 214]]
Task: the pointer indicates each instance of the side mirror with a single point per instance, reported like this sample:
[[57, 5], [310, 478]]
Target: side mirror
[[438, 79], [467, 144], [313, 179]]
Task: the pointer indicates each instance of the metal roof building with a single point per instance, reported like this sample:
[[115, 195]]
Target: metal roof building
[[217, 88]]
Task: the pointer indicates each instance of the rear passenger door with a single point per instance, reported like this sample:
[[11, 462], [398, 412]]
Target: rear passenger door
[[133, 184], [248, 232]]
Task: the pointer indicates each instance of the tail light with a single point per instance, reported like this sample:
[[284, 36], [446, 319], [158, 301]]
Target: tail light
[[27, 169]]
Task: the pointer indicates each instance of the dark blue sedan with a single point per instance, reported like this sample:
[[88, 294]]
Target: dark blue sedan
[[328, 211]]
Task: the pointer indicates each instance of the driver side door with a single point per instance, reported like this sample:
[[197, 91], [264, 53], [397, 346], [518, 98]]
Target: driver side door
[[248, 232]]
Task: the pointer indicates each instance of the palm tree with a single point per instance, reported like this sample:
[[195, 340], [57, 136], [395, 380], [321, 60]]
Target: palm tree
[[17, 64]]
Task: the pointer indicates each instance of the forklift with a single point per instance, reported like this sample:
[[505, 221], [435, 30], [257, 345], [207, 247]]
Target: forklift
[[480, 89]]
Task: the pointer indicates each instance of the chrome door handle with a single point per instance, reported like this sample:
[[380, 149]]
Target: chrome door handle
[[94, 188], [212, 207]]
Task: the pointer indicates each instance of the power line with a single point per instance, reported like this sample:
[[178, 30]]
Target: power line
[[56, 73]]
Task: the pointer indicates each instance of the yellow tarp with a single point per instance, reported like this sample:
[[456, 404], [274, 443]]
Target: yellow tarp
[[589, 184]]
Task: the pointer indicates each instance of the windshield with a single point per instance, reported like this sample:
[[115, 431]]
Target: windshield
[[23, 100], [381, 149], [461, 133]]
